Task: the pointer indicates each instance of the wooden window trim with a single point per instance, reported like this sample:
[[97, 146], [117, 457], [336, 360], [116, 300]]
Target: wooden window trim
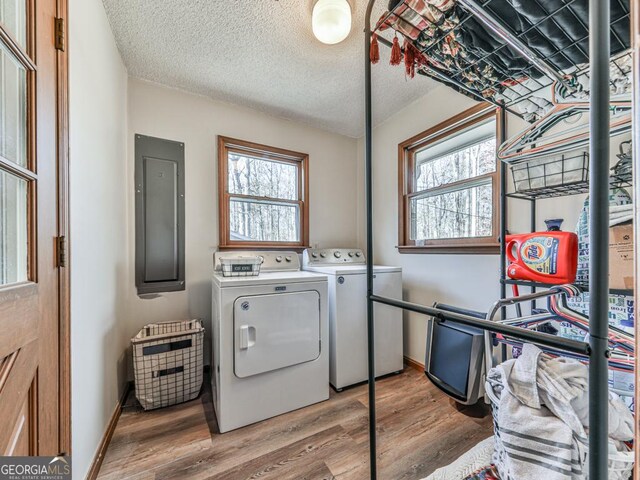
[[226, 145], [406, 163]]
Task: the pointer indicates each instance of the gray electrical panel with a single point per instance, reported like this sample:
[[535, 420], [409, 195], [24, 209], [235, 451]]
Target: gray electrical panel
[[159, 176]]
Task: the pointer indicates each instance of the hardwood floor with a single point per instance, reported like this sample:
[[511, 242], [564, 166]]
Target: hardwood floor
[[419, 430]]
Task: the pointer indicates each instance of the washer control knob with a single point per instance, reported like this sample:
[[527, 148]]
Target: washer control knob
[[351, 254], [288, 258], [323, 255], [358, 254], [261, 259], [337, 254], [314, 255], [279, 258]]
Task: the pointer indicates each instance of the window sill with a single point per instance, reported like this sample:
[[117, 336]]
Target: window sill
[[287, 248], [477, 249]]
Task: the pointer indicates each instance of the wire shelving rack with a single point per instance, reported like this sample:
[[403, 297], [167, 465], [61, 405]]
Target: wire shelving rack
[[599, 39]]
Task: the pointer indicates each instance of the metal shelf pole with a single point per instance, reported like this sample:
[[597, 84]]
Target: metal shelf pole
[[503, 204], [533, 229], [539, 338], [502, 136], [369, 207], [635, 48], [599, 48]]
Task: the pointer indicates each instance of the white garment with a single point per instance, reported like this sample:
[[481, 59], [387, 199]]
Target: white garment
[[620, 417], [540, 412], [532, 442]]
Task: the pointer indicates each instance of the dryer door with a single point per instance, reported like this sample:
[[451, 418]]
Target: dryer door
[[275, 331]]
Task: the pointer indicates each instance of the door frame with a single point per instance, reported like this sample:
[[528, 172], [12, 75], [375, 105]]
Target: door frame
[[63, 249], [45, 365]]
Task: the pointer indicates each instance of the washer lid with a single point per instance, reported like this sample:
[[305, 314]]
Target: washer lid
[[350, 269], [268, 278]]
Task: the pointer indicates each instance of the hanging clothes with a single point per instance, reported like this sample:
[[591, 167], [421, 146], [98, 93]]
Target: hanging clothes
[[463, 48], [563, 37]]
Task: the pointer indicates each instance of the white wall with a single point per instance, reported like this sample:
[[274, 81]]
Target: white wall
[[195, 120], [98, 95], [463, 280]]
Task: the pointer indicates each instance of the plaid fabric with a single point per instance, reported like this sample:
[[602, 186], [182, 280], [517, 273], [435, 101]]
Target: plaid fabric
[[487, 473], [414, 16], [432, 27], [424, 22]]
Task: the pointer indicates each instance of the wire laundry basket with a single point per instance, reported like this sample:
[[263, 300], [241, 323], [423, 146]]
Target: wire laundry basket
[[167, 362], [564, 175], [560, 176], [240, 266]]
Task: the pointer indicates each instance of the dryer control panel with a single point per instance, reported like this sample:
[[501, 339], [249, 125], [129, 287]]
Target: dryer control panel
[[333, 256], [270, 261]]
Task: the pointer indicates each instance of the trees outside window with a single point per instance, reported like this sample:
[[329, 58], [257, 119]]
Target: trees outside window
[[263, 196], [449, 186]]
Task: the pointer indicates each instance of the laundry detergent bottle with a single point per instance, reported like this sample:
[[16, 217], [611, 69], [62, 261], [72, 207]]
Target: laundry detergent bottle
[[546, 257]]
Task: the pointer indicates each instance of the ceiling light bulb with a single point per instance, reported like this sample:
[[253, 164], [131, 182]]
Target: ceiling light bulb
[[331, 20]]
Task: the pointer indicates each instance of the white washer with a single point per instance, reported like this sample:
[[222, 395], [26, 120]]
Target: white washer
[[346, 269], [270, 340]]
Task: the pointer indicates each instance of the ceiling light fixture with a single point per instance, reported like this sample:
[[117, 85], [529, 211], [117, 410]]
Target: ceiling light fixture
[[331, 20]]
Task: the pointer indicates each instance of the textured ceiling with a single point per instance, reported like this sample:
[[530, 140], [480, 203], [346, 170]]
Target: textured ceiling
[[261, 54]]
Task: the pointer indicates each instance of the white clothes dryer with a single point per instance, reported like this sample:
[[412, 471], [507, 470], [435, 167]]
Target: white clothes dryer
[[270, 340]]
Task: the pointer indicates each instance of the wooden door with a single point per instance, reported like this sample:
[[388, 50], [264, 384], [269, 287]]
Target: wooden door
[[29, 306]]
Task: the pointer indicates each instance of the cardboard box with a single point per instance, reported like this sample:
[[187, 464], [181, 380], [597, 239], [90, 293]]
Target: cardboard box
[[621, 256]]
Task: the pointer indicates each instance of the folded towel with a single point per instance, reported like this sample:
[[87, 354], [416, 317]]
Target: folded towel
[[620, 214]]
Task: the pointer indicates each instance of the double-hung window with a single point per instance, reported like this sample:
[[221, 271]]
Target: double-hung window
[[264, 198], [450, 185]]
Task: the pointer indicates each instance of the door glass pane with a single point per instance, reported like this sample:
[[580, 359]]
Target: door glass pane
[[255, 221], [463, 213], [13, 229], [13, 16], [13, 108]]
